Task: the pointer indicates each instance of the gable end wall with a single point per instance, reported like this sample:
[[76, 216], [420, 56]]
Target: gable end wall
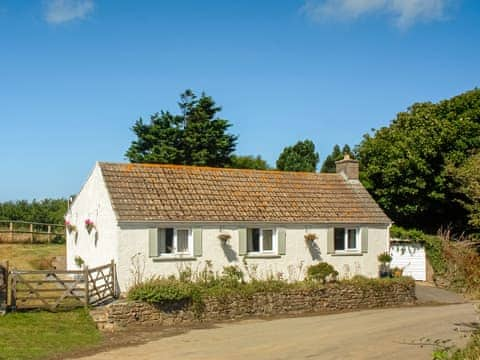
[[100, 246]]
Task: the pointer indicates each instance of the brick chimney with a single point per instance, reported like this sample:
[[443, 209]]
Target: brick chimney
[[347, 167]]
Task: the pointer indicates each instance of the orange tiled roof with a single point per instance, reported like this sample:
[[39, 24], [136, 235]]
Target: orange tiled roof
[[151, 192]]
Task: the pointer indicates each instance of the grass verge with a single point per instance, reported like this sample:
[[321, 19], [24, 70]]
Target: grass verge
[[470, 352], [41, 334]]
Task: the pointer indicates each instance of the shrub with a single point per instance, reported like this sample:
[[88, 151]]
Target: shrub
[[158, 290], [462, 269], [415, 235], [384, 258], [321, 271], [359, 278], [233, 273]]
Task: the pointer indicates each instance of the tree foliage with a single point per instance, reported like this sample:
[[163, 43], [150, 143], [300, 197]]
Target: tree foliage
[[299, 157], [328, 165], [50, 211], [248, 162], [467, 176], [194, 137], [404, 165]]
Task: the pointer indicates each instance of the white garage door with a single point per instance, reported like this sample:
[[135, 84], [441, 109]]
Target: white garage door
[[411, 258]]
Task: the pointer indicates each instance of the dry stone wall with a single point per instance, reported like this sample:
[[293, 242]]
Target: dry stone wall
[[329, 299]]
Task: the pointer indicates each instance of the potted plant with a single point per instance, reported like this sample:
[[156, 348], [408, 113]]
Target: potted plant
[[385, 259], [310, 237], [89, 225], [397, 272], [224, 237], [70, 227]]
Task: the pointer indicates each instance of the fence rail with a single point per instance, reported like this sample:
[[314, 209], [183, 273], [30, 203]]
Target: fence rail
[[52, 289], [29, 232]]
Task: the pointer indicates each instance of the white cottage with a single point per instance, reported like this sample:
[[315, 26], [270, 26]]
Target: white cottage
[[159, 219]]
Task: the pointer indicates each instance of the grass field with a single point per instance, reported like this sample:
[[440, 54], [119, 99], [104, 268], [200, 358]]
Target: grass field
[[28, 256], [40, 334]]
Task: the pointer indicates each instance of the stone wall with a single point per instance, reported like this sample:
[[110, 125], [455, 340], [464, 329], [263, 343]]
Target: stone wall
[[336, 297]]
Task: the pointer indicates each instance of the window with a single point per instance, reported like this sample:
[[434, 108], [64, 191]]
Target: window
[[260, 240], [169, 245], [174, 241], [346, 239]]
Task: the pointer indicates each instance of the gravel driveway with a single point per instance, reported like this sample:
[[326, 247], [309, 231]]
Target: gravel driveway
[[373, 334]]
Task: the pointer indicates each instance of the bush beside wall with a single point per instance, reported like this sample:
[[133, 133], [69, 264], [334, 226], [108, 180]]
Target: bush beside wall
[[292, 300]]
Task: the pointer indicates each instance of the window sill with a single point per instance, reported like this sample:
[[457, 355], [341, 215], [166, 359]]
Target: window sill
[[174, 258], [347, 254], [263, 256]]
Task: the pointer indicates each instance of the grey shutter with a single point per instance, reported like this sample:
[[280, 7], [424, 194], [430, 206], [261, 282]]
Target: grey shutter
[[197, 242], [153, 242], [242, 241], [330, 241], [162, 244], [364, 239], [282, 241]]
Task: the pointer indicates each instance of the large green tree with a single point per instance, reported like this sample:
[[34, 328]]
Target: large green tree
[[337, 153], [194, 137], [467, 176], [404, 165], [248, 162], [299, 157]]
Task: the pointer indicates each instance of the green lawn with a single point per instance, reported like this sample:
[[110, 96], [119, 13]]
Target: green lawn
[[41, 334], [29, 256]]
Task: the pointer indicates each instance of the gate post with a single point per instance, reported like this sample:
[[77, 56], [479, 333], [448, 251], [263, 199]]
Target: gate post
[[113, 269], [11, 291], [87, 293]]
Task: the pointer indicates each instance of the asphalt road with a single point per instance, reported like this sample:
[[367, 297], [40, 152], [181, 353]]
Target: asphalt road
[[373, 334]]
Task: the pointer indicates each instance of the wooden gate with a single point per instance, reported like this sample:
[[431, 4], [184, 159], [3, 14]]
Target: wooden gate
[[53, 289]]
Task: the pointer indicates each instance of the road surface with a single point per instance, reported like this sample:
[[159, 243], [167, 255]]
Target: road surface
[[372, 334]]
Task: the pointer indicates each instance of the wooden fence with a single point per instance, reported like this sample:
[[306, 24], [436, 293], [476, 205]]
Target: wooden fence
[[30, 232], [3, 285], [53, 289]]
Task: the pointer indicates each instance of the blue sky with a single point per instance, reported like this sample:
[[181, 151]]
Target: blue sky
[[76, 74]]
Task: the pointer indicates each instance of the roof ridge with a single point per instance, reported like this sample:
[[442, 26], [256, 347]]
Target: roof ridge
[[180, 166]]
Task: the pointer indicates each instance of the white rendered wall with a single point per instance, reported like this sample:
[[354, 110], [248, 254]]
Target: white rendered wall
[[100, 246], [133, 249]]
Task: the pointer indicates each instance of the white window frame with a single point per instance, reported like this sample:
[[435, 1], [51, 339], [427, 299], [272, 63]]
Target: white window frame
[[274, 241], [174, 251], [346, 249]]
